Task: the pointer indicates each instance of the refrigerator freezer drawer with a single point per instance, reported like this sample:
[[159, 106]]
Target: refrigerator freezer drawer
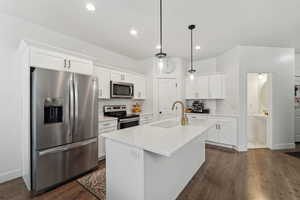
[[57, 165]]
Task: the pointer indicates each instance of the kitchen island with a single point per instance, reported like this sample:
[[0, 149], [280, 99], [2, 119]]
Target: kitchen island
[[154, 161]]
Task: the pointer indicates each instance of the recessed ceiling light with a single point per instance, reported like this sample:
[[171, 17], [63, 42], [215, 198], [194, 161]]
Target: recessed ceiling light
[[90, 7], [158, 46], [197, 47], [133, 32]]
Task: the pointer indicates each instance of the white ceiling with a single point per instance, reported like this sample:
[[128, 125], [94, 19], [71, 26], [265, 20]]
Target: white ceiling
[[221, 24]]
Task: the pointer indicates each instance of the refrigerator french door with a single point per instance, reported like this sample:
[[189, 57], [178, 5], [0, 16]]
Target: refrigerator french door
[[64, 127]]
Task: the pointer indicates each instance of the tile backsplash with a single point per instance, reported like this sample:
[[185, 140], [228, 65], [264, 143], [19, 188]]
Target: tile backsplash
[[127, 102]]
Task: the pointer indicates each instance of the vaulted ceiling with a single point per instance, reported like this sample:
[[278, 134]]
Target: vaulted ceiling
[[221, 24]]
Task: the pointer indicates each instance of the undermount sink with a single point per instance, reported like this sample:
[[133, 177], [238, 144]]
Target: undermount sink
[[167, 124]]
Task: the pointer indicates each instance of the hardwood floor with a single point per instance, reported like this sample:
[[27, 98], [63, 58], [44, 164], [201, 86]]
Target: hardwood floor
[[254, 175]]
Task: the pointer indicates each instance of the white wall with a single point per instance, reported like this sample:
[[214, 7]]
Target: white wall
[[12, 31], [297, 64], [204, 66], [281, 63], [228, 63]]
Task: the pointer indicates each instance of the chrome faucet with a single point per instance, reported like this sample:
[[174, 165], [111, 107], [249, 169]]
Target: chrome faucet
[[184, 119]]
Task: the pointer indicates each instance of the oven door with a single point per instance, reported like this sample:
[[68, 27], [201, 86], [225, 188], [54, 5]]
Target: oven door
[[130, 122], [121, 90]]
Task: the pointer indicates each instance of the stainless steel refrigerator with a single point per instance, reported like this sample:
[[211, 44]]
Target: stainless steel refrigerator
[[64, 127]]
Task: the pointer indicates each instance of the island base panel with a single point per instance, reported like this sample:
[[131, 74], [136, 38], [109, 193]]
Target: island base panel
[[136, 174]]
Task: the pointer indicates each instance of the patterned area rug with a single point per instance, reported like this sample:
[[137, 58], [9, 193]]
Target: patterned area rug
[[94, 182]]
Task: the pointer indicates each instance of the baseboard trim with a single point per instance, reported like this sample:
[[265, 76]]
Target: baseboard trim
[[283, 146], [297, 138], [222, 145], [7, 176]]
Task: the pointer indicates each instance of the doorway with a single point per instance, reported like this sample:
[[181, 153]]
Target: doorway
[[259, 110]]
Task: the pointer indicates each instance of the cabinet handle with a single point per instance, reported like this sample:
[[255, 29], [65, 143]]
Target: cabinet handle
[[122, 77], [65, 63], [69, 64]]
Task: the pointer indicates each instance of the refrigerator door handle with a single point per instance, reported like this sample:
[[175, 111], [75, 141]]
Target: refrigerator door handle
[[76, 120], [71, 105], [67, 147]]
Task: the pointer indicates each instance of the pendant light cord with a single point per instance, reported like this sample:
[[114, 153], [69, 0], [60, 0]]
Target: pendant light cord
[[192, 50], [161, 27]]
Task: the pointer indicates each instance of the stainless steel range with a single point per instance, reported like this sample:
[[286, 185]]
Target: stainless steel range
[[64, 127], [124, 120]]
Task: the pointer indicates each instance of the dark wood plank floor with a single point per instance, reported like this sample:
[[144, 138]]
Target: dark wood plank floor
[[254, 175]]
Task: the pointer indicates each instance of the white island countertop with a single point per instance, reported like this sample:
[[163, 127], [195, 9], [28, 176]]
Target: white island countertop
[[162, 141]]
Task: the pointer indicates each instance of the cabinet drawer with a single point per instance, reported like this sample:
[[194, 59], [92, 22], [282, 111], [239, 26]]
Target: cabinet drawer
[[194, 117], [146, 118], [145, 122], [108, 124], [107, 129]]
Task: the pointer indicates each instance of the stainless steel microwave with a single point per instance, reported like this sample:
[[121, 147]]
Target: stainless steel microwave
[[121, 90]]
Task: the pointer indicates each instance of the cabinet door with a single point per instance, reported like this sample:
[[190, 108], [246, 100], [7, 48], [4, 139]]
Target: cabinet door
[[213, 134], [118, 76], [297, 128], [216, 87], [104, 82], [101, 147], [47, 59], [80, 66], [143, 88], [202, 87], [227, 132], [139, 87], [190, 88]]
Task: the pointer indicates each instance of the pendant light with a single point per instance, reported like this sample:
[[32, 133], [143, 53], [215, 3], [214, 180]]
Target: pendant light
[[192, 70], [161, 55]]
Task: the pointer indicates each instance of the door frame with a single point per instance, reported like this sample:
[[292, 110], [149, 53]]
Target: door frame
[[269, 124]]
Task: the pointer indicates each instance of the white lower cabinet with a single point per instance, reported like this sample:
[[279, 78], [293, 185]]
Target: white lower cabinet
[[226, 132], [105, 127], [223, 134], [297, 128]]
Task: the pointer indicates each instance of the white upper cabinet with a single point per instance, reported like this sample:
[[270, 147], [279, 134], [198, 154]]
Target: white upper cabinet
[[80, 66], [197, 88], [205, 87], [202, 87], [139, 87], [48, 59], [216, 87], [103, 76], [61, 62], [190, 89], [121, 77]]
